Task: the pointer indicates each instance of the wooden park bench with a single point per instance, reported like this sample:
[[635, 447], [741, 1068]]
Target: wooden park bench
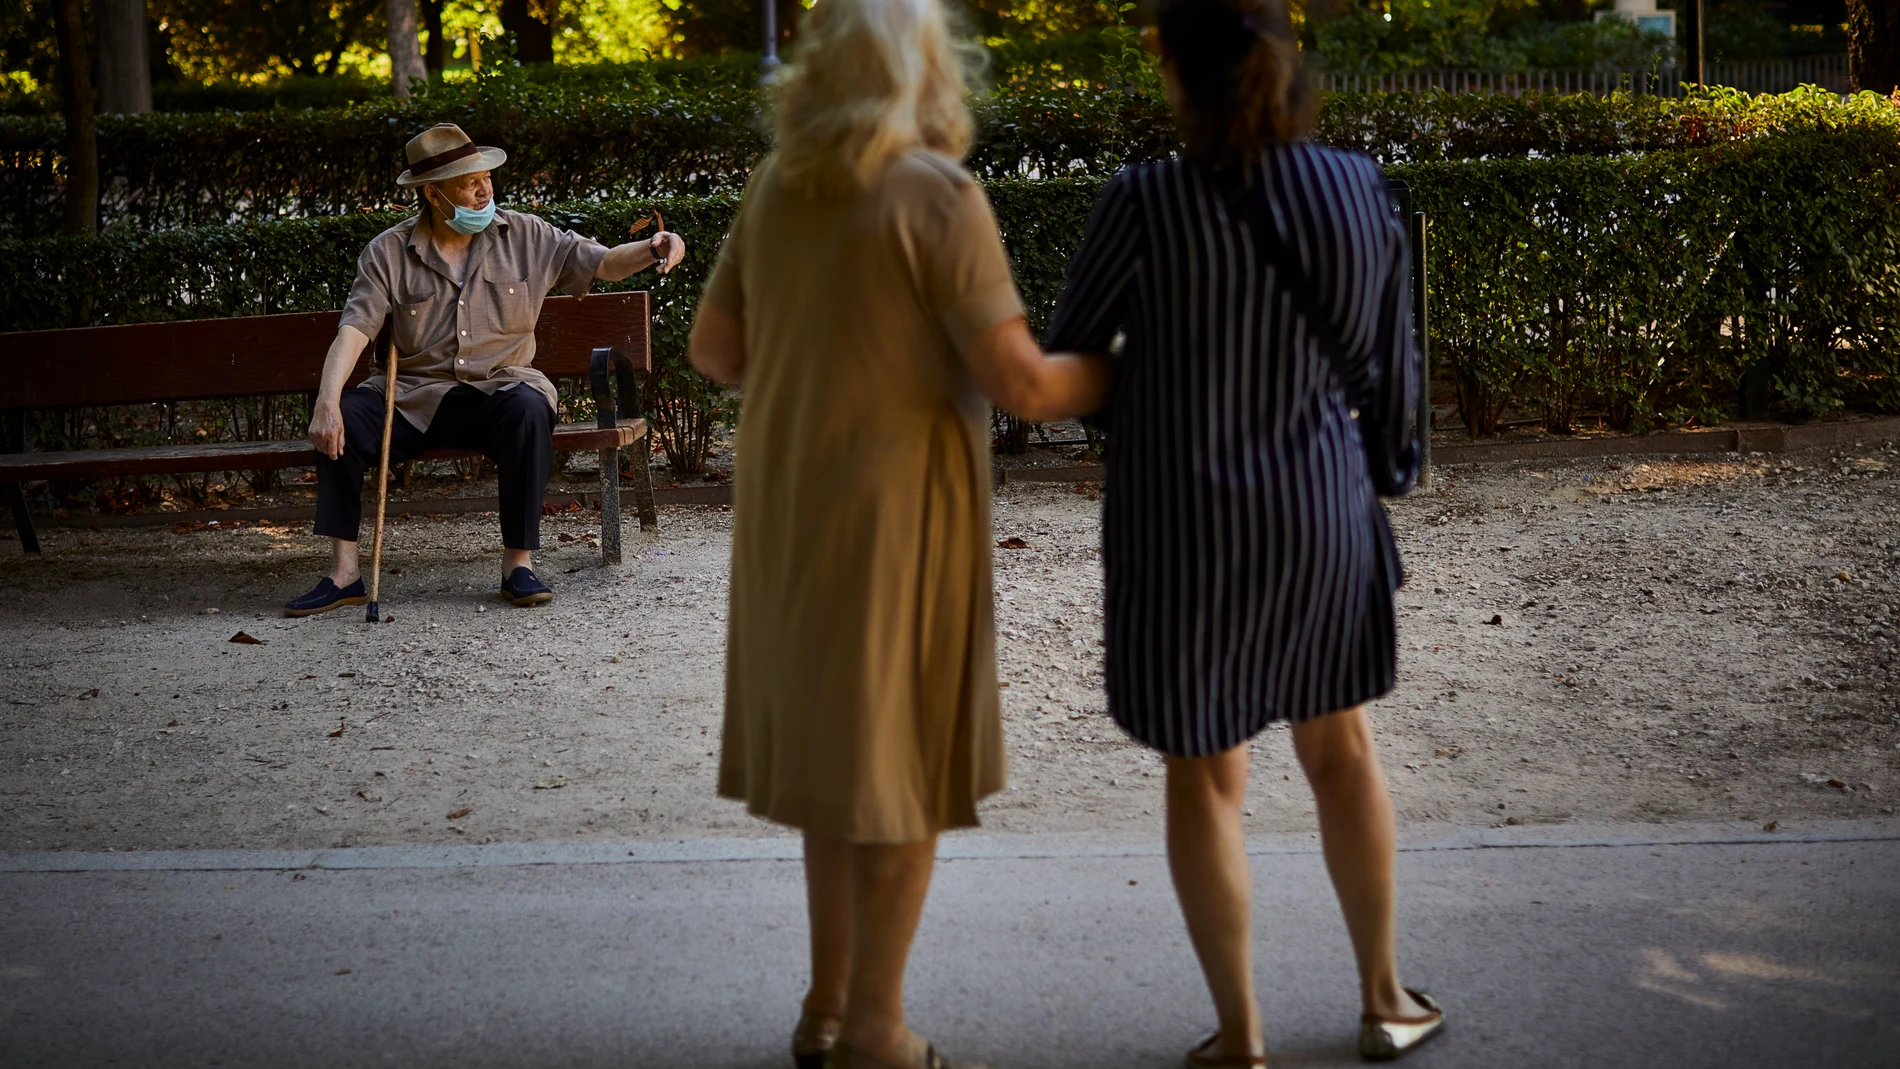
[[604, 337]]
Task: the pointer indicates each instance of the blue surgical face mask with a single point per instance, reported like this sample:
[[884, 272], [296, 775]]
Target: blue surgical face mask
[[468, 221]]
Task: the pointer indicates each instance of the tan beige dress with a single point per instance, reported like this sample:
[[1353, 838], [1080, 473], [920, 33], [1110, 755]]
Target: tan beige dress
[[861, 698]]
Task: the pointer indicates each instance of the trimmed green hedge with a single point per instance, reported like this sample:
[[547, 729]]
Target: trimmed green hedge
[[1641, 289], [161, 171], [1637, 290]]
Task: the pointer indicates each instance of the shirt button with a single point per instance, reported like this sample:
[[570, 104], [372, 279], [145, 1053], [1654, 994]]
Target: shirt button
[[459, 360], [465, 334], [511, 289], [412, 311], [457, 302]]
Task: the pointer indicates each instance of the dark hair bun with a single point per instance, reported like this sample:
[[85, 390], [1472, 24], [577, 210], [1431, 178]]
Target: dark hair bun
[[1238, 67]]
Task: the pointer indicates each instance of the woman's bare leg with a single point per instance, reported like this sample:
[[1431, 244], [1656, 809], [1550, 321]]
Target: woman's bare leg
[[1358, 832], [888, 887], [828, 902], [1207, 855]]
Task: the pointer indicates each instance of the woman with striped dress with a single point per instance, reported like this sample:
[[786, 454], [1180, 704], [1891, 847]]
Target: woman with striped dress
[[1250, 567]]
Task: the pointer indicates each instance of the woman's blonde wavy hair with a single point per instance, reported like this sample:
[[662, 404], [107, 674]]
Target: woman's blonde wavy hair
[[870, 81]]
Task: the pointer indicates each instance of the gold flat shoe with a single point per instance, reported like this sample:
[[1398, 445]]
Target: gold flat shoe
[[1382, 1039], [1203, 1057], [814, 1037], [844, 1057]]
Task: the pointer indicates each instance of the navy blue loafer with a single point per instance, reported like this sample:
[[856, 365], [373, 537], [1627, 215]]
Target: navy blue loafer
[[326, 595], [522, 588]]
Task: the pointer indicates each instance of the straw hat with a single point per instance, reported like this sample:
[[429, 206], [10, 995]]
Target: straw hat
[[444, 151]]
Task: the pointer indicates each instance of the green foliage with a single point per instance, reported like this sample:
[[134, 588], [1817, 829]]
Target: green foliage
[[218, 38], [1744, 30], [1640, 289], [566, 141], [1466, 35], [1634, 289]]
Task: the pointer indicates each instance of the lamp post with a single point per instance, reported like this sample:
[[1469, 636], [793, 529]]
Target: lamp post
[[768, 62], [1692, 61]]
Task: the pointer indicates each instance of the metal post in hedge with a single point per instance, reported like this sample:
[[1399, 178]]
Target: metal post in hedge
[[1421, 322], [768, 61], [1415, 230], [1692, 36]]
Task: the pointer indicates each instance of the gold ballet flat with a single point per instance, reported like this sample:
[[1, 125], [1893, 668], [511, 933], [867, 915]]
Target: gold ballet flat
[[1382, 1039], [813, 1039]]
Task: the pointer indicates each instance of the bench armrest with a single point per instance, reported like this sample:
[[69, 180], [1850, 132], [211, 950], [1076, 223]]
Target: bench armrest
[[609, 368]]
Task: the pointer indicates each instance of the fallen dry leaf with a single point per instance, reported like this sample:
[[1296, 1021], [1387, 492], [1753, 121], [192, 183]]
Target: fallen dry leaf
[[338, 733], [565, 537], [93, 693], [551, 783], [343, 972], [1012, 542], [243, 638], [460, 813]]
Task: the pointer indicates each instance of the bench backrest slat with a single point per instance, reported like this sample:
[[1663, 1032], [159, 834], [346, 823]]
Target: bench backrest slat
[[206, 358]]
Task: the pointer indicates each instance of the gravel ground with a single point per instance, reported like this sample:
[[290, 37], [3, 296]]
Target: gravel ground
[[1610, 641]]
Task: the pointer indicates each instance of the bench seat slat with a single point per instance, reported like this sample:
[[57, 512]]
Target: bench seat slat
[[250, 456]]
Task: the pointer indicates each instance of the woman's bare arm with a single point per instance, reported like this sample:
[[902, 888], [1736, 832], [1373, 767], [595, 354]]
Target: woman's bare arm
[[717, 346], [1014, 373]]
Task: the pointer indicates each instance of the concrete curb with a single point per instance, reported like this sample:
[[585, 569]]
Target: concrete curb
[[973, 847]]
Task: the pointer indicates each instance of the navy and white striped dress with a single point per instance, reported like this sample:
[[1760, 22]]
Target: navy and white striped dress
[[1250, 566]]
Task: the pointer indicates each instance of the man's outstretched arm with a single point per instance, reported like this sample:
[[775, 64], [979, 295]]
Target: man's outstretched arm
[[664, 248], [326, 416]]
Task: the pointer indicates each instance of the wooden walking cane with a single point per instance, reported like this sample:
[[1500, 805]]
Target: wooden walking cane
[[382, 489]]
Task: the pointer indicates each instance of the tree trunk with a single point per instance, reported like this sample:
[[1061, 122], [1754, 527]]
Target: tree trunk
[[1873, 45], [405, 57], [125, 71], [82, 145], [534, 39], [436, 55]]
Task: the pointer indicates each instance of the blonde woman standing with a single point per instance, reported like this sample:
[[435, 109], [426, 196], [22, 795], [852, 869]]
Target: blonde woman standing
[[864, 301]]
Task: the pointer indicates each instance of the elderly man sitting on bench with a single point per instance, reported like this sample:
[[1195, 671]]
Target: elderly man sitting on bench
[[463, 284]]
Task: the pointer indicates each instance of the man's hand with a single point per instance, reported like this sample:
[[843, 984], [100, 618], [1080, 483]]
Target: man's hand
[[326, 428], [663, 250], [668, 250]]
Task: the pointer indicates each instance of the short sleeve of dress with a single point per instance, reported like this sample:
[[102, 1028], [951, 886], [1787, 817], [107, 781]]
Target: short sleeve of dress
[[725, 286], [966, 276], [1089, 313], [725, 290]]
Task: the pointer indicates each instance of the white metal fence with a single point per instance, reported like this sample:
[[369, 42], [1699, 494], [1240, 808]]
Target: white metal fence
[[1754, 76]]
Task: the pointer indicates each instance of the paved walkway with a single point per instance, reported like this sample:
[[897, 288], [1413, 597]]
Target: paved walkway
[[1551, 947]]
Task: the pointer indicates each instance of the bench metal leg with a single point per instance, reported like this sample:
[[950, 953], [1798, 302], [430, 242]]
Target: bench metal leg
[[22, 520], [13, 440], [610, 506], [643, 483]]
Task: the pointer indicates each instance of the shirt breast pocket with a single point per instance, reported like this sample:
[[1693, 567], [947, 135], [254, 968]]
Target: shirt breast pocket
[[413, 325], [510, 306]]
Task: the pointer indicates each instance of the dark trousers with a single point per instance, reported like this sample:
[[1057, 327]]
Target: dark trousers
[[514, 428]]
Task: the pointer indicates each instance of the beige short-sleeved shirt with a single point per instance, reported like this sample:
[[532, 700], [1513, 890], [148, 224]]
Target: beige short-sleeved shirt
[[861, 697], [479, 330]]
